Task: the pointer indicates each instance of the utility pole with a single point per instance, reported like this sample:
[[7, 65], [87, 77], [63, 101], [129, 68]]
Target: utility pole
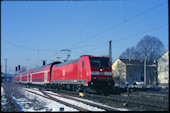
[[5, 69], [145, 77], [110, 50]]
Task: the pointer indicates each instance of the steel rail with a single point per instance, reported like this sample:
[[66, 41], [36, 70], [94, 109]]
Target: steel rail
[[57, 100], [14, 102], [129, 99], [133, 100], [89, 103], [85, 102]]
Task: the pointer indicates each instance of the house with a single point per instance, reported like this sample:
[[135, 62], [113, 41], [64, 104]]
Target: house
[[163, 68], [129, 70]]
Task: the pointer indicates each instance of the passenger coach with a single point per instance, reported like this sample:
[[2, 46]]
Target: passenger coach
[[85, 73]]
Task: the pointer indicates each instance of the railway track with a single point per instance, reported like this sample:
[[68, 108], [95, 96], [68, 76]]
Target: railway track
[[14, 102], [153, 96], [86, 102], [134, 101], [57, 100], [50, 94]]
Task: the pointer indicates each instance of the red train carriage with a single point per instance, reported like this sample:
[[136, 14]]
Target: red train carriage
[[29, 76], [39, 75], [20, 77], [24, 77], [87, 72], [17, 78]]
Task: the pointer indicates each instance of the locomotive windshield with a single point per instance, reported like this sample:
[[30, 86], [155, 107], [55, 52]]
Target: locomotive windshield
[[99, 62]]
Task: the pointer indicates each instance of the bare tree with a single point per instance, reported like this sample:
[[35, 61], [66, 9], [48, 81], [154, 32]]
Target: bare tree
[[128, 53], [151, 46]]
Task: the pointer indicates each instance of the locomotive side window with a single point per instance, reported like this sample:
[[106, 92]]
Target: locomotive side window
[[82, 64], [99, 62]]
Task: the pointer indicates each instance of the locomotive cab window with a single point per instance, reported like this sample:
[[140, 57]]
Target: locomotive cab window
[[82, 64], [99, 62]]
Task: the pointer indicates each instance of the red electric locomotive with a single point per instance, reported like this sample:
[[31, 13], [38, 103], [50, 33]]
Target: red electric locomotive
[[85, 73], [88, 73]]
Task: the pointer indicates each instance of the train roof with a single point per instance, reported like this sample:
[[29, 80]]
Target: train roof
[[94, 56], [68, 62], [35, 69], [76, 60], [40, 68]]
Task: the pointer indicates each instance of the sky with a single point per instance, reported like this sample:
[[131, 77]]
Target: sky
[[32, 31]]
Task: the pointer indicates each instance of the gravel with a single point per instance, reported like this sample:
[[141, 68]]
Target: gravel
[[15, 90]]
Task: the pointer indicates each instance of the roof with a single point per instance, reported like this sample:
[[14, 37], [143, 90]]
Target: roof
[[136, 62], [131, 61], [163, 54]]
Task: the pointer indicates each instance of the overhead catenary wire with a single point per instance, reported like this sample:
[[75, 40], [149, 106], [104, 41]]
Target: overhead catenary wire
[[100, 46], [118, 24], [99, 17], [95, 21], [19, 46], [104, 42], [133, 36], [128, 19], [130, 37]]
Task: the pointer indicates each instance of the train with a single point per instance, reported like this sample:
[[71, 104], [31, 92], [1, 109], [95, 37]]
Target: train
[[87, 73]]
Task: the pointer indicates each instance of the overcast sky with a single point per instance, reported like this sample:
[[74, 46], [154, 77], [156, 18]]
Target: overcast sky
[[32, 31]]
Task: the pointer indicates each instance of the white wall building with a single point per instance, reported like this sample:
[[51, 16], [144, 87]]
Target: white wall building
[[163, 68]]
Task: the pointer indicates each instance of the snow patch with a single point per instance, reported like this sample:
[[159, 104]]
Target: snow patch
[[49, 105], [2, 91]]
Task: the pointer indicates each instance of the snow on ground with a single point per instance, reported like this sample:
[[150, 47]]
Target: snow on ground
[[2, 91], [48, 105], [44, 104], [80, 104], [121, 109], [3, 99]]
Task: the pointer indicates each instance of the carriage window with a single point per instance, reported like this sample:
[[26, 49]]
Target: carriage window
[[82, 64]]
